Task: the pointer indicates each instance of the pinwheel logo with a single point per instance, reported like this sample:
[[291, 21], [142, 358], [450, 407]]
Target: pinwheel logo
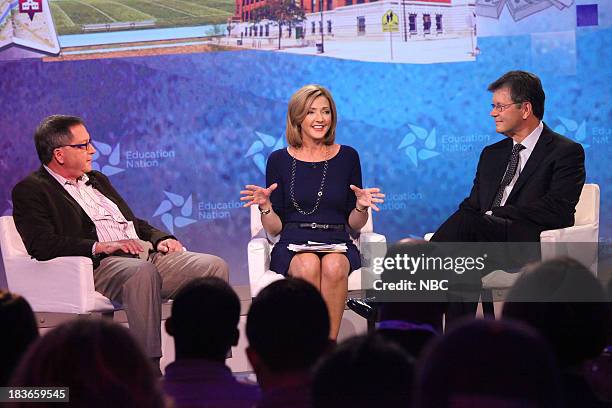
[[261, 149], [419, 145], [175, 211], [108, 154], [572, 129]]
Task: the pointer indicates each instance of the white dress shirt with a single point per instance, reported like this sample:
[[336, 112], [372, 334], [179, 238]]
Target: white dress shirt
[[529, 142], [110, 223]]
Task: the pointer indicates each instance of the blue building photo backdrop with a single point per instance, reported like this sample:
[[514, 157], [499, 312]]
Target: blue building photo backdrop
[[180, 134]]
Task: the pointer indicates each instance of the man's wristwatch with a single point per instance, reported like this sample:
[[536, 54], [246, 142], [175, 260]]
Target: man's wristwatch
[[265, 212], [361, 211]]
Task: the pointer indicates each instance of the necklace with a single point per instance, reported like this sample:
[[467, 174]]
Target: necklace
[[319, 194]]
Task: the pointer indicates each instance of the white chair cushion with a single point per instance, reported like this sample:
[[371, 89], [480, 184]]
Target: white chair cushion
[[62, 285]]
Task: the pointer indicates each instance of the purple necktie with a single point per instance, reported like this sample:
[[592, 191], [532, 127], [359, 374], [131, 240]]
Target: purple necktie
[[509, 175]]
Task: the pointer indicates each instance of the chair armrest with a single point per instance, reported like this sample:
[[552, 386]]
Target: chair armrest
[[62, 285], [260, 276], [499, 279], [371, 245], [370, 237], [579, 242], [272, 239], [577, 233]]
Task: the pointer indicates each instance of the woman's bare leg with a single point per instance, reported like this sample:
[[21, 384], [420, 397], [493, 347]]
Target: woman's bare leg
[[306, 266], [334, 287]]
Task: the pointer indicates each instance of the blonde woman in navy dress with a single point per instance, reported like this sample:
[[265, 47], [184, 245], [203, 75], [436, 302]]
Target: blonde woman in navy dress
[[314, 182]]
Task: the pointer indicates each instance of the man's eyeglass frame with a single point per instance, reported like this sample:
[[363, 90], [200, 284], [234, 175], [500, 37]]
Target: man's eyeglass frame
[[501, 108], [82, 146]]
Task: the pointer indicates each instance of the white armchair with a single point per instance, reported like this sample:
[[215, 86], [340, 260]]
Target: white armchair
[[61, 288], [60, 285], [261, 245], [585, 230], [554, 243], [559, 242]]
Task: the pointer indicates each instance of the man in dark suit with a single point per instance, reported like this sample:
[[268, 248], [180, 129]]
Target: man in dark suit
[[66, 209], [525, 184]]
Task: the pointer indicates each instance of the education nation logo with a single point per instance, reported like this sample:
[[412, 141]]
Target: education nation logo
[[175, 211], [107, 158], [419, 145], [573, 130], [261, 149]]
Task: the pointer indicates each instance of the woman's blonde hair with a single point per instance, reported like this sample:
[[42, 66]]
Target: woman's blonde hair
[[298, 107]]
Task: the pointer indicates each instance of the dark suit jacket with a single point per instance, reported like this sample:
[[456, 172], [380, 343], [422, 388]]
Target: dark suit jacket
[[547, 190], [51, 223]]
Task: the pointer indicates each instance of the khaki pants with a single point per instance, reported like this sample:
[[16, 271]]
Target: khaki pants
[[140, 284]]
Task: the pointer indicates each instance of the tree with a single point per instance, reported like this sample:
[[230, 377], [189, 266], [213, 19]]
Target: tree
[[282, 12]]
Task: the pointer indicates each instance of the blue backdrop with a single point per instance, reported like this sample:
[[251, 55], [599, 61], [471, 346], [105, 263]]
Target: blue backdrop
[[179, 135]]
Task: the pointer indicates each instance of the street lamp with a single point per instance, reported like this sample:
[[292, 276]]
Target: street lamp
[[321, 27], [404, 19]]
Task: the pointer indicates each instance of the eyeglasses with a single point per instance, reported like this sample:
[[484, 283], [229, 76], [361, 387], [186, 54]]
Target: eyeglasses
[[501, 108], [82, 146]]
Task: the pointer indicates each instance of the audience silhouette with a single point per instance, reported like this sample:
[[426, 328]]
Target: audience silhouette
[[551, 349], [19, 330], [98, 360], [288, 330], [365, 372], [567, 305], [484, 363], [204, 324]]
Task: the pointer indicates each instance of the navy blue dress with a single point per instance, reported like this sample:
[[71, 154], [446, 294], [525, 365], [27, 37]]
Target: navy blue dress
[[336, 204]]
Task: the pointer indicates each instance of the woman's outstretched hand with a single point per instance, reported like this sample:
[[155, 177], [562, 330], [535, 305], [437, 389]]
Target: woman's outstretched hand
[[368, 197], [257, 195]]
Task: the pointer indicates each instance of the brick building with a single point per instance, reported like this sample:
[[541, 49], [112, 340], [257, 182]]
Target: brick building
[[361, 19]]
